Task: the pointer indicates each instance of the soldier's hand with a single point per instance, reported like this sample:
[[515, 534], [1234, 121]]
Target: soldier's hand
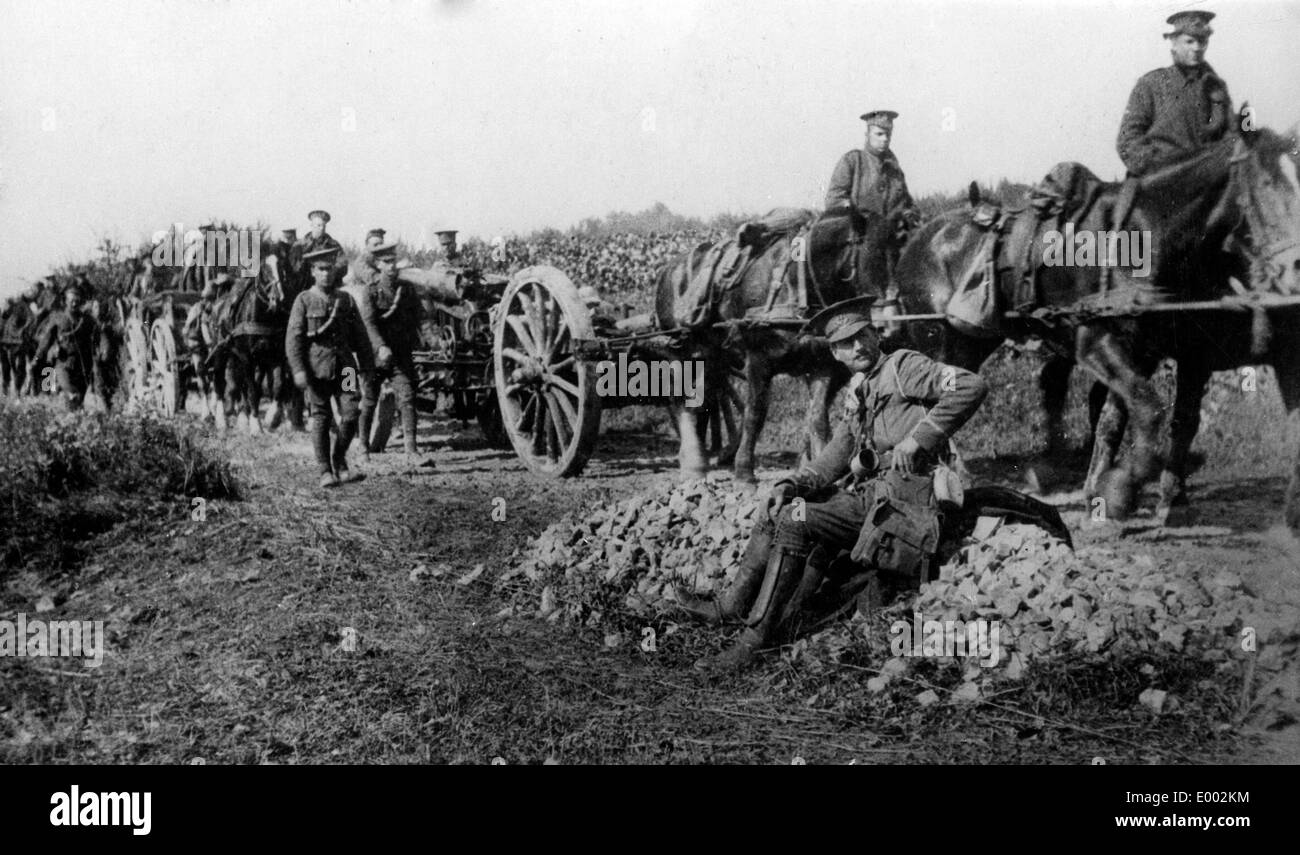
[[904, 455], [384, 356], [779, 497], [300, 379]]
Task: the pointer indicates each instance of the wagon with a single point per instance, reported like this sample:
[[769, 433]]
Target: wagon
[[546, 354], [158, 372]]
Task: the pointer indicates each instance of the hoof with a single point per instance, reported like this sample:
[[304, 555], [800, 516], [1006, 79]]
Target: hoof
[[1116, 488]]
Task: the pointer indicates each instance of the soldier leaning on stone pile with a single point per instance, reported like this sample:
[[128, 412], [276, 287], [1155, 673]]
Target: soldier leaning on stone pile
[[903, 409]]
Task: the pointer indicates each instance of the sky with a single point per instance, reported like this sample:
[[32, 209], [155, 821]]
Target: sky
[[121, 117]]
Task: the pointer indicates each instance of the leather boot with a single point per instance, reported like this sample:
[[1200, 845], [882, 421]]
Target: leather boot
[[408, 429], [784, 571], [347, 430], [365, 423], [733, 603]]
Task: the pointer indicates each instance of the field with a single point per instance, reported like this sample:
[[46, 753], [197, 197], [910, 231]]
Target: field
[[284, 625]]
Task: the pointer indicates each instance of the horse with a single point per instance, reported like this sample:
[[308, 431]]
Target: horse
[[1190, 210], [827, 258], [251, 328]]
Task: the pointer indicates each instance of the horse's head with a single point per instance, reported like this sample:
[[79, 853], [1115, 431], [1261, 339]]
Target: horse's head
[[927, 272], [1268, 194]]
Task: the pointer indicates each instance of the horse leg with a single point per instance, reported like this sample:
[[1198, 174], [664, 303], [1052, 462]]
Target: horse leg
[[691, 456], [1193, 375], [1107, 432], [1054, 383], [1100, 352], [823, 386], [253, 396], [275, 414], [758, 375]]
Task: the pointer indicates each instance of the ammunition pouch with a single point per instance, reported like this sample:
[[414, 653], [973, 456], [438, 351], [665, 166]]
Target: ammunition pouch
[[900, 535]]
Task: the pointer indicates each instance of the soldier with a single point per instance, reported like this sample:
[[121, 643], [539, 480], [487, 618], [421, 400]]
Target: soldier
[[318, 239], [447, 240], [200, 336], [903, 409], [15, 327], [870, 181], [289, 252], [391, 312], [1175, 112], [68, 343], [324, 332]]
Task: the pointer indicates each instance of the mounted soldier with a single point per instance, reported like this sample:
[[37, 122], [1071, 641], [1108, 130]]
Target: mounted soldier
[[870, 182], [871, 490], [325, 330], [314, 241]]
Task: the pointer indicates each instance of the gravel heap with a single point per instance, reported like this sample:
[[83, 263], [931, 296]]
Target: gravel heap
[[1048, 600]]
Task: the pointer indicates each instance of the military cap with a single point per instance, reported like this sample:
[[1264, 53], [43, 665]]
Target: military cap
[[449, 234], [326, 254], [1193, 23], [383, 250], [324, 215], [376, 233], [842, 320], [882, 118], [289, 234]]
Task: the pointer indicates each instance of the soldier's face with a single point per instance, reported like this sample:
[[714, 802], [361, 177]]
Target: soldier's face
[[73, 301], [860, 352], [386, 265], [317, 226], [320, 275], [878, 139], [1188, 50]]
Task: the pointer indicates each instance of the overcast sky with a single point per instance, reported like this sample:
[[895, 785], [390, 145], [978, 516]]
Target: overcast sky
[[118, 118]]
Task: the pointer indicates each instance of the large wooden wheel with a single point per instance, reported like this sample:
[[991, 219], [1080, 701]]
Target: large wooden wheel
[[137, 350], [164, 378], [547, 394]]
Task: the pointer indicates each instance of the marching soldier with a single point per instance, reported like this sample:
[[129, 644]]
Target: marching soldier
[[68, 343], [391, 312], [903, 409], [870, 181], [15, 327], [325, 330], [1176, 111]]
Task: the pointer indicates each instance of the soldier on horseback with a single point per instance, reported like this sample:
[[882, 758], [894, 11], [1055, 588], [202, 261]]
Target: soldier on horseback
[[903, 409], [870, 182]]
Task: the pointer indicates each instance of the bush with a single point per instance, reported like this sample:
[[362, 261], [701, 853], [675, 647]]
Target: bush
[[65, 477]]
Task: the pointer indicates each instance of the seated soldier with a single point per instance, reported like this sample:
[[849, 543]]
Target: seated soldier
[[903, 409]]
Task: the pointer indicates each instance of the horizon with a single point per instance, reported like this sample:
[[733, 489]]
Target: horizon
[[504, 119]]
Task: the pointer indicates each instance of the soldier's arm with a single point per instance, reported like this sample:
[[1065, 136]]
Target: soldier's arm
[[831, 464], [295, 337], [1138, 116], [369, 320], [840, 190], [48, 338], [955, 394], [358, 339]]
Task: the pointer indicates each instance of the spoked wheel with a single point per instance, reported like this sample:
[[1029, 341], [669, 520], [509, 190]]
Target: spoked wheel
[[547, 395], [166, 381], [137, 354]]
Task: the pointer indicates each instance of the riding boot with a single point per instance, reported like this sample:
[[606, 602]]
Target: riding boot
[[784, 571], [364, 425], [320, 441], [735, 600], [347, 430], [408, 429]]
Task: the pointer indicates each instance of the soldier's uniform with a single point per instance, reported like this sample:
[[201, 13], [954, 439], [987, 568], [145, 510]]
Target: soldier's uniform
[[874, 186], [905, 395], [324, 333], [391, 313], [1174, 112], [69, 344], [15, 327]]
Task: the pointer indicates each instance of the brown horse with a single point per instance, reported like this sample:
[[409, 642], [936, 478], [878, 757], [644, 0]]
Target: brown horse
[[251, 329], [1189, 210], [829, 258]]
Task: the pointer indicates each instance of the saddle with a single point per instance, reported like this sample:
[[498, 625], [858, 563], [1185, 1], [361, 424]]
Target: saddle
[[1004, 271]]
